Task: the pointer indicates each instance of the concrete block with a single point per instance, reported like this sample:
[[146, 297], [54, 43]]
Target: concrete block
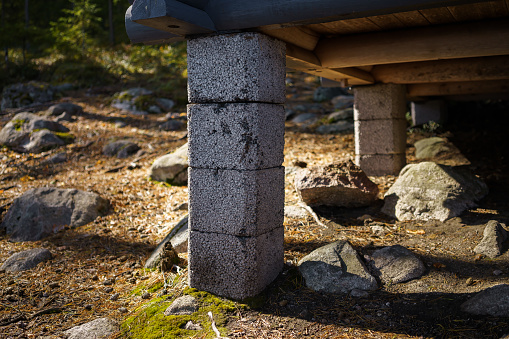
[[381, 101], [381, 164], [240, 67], [244, 136], [234, 267], [380, 136], [241, 203], [426, 111]]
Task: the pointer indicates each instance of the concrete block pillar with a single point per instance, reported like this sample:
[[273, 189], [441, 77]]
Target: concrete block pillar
[[380, 128], [236, 87]]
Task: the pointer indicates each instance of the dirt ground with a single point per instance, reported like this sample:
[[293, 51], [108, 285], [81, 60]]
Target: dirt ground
[[70, 289]]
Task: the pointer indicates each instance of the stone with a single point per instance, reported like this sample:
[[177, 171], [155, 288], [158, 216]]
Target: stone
[[65, 107], [154, 109], [322, 94], [165, 104], [240, 203], [178, 237], [134, 100], [28, 132], [396, 264], [295, 212], [240, 67], [64, 117], [493, 301], [342, 184], [338, 127], [493, 236], [359, 293], [171, 168], [244, 136], [57, 158], [232, 266], [26, 260], [192, 326], [430, 147], [343, 101], [43, 211], [121, 149], [305, 118], [427, 191], [185, 304], [97, 329], [336, 268], [25, 94], [172, 125], [344, 114]]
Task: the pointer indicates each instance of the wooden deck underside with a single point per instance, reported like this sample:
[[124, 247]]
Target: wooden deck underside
[[441, 51]]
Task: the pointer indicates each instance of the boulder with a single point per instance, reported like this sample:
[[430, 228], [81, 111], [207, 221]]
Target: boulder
[[430, 147], [396, 264], [171, 168], [26, 260], [307, 118], [344, 114], [28, 132], [165, 104], [64, 107], [141, 101], [338, 127], [183, 305], [25, 94], [336, 268], [492, 301], [97, 329], [43, 211], [428, 191], [121, 149], [343, 184], [56, 159], [178, 238], [322, 94], [493, 236], [342, 101]]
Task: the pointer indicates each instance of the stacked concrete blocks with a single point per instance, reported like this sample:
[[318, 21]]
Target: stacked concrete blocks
[[236, 89], [380, 128]]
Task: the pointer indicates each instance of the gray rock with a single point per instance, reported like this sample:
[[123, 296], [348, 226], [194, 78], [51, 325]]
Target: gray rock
[[342, 101], [295, 212], [336, 268], [65, 107], [341, 115], [171, 168], [26, 260], [43, 140], [172, 125], [178, 237], [428, 191], [359, 293], [396, 264], [121, 149], [154, 109], [40, 212], [430, 147], [96, 329], [64, 87], [327, 93], [192, 326], [493, 237], [183, 305], [338, 127], [120, 124], [129, 101], [25, 94], [492, 301], [343, 184], [64, 117], [19, 132], [305, 118], [165, 104], [57, 158]]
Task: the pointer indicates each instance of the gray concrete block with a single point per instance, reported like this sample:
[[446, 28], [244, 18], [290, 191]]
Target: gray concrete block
[[380, 136], [381, 164], [244, 136], [234, 267], [426, 111], [381, 101], [241, 203], [240, 67]]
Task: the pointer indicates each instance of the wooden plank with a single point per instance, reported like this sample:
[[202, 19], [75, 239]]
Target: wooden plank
[[417, 44], [437, 15], [351, 26], [479, 11], [455, 70], [298, 36], [386, 22], [458, 88], [413, 18], [303, 60]]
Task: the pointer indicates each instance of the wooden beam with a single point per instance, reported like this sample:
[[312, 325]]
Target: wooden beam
[[298, 36], [458, 88], [454, 70], [303, 60], [418, 44]]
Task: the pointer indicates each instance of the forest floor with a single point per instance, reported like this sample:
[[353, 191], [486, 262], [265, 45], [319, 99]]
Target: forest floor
[[69, 289]]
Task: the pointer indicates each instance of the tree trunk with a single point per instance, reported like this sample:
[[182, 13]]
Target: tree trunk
[[110, 21]]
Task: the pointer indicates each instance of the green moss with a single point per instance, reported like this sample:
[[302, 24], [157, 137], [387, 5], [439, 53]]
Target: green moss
[[143, 102], [124, 96], [18, 123], [149, 321], [68, 138]]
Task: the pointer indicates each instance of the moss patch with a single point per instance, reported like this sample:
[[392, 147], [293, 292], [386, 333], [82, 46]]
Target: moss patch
[[68, 138], [149, 321], [18, 123]]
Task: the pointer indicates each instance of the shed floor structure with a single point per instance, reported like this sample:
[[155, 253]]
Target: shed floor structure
[[390, 52]]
